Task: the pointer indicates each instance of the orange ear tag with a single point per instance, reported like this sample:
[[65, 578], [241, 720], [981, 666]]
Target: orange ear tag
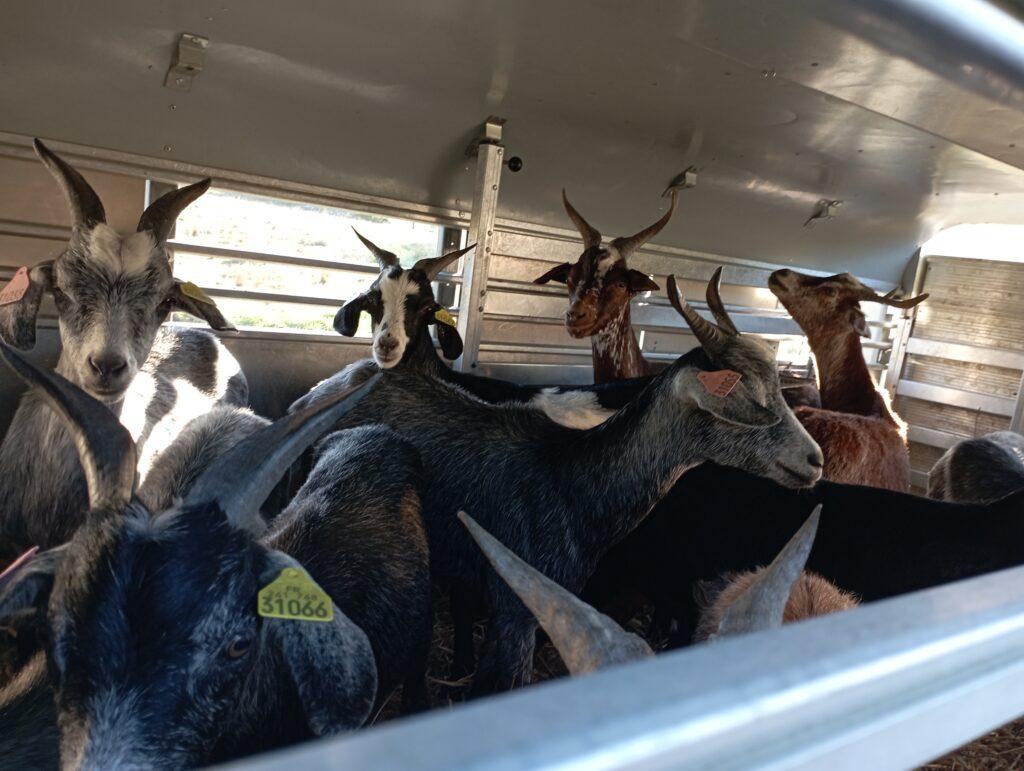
[[15, 288], [719, 383]]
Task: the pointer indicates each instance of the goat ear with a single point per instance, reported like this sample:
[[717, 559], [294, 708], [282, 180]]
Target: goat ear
[[346, 320], [559, 273], [18, 316], [449, 339], [187, 297], [736, 408], [330, 662], [26, 586], [640, 282], [860, 323]]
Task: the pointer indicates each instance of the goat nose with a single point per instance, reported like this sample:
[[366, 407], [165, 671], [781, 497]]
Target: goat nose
[[575, 313], [816, 459], [108, 364]]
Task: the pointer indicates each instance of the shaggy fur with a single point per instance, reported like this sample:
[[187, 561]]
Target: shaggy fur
[[863, 440], [979, 470]]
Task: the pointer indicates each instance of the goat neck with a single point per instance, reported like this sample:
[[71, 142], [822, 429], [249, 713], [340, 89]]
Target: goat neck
[[846, 384], [615, 351]]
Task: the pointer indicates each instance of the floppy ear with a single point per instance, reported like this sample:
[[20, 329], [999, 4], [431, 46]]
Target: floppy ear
[[331, 664], [736, 407], [27, 586], [640, 282], [559, 273], [449, 339], [860, 323], [346, 320], [18, 313], [187, 297]]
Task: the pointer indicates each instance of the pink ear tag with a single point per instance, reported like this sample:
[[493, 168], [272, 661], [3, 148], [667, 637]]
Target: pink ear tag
[[22, 560], [719, 383], [15, 288]]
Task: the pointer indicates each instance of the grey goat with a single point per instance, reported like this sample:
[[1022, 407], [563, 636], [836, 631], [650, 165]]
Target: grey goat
[[979, 470], [156, 653], [112, 294]]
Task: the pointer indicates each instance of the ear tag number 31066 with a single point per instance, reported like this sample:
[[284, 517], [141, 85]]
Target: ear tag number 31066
[[294, 595], [719, 383]]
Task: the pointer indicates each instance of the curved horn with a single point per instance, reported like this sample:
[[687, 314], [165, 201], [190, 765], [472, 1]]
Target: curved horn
[[716, 305], [105, 448], [889, 298], [242, 478], [591, 237], [434, 265], [628, 245], [86, 208], [763, 604], [585, 639], [160, 216], [707, 334], [385, 258]]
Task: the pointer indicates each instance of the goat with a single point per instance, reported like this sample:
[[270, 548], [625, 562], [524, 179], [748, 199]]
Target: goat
[[402, 309], [112, 295], [873, 542], [601, 287], [979, 470], [588, 641], [863, 440], [561, 497], [160, 651]]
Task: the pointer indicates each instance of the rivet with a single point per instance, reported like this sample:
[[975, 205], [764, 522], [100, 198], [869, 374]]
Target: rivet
[[167, 148]]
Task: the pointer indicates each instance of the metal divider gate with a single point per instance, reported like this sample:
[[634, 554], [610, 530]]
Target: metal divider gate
[[961, 369]]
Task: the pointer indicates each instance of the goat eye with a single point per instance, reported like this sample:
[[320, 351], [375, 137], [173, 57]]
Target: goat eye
[[238, 647]]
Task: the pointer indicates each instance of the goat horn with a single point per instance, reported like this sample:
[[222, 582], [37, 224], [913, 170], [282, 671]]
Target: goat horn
[[86, 208], [707, 334], [105, 448], [591, 237], [628, 245], [586, 640], [717, 306], [434, 265], [242, 478], [160, 216], [906, 302], [385, 258], [763, 604]]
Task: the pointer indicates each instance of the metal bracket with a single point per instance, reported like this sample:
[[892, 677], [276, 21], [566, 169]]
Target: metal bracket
[[825, 210], [188, 63], [489, 154], [683, 181]]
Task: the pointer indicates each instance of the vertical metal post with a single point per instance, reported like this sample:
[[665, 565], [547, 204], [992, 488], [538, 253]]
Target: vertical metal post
[[894, 371], [481, 232], [1017, 421]]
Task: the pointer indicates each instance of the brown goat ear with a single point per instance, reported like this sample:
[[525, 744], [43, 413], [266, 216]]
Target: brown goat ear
[[187, 297], [19, 304], [331, 663], [559, 273], [860, 323], [640, 282]]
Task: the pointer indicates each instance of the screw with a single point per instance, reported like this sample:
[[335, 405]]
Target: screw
[[173, 107], [179, 81], [167, 148], [494, 187], [480, 308]]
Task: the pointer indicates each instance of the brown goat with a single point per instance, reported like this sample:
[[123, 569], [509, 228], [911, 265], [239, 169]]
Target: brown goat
[[601, 287], [863, 440]]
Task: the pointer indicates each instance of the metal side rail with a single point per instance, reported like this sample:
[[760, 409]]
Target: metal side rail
[[890, 685]]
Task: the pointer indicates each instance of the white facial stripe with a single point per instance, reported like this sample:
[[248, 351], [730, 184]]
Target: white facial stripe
[[120, 255], [391, 329], [573, 409], [605, 263]]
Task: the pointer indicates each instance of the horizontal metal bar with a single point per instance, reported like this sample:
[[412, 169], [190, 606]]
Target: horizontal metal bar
[[996, 405], [932, 437], [887, 686], [975, 354], [34, 230], [283, 259], [919, 479]]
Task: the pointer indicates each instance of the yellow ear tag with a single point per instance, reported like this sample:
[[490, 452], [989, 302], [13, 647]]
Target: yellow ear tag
[[293, 594], [191, 290], [444, 317]]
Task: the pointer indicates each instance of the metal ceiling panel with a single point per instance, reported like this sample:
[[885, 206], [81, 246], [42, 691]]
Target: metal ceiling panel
[[608, 99]]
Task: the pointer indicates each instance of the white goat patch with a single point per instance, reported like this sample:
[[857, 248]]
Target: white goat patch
[[573, 409], [393, 292], [128, 254], [605, 263]]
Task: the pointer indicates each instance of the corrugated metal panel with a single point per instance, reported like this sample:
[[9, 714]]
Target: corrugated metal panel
[[1000, 381], [954, 420]]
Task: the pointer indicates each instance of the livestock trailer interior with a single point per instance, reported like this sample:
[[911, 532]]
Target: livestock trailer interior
[[878, 138]]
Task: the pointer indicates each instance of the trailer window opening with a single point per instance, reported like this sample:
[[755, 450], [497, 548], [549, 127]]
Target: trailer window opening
[[269, 262]]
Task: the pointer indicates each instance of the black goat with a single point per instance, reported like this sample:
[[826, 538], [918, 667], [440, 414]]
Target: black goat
[[982, 469], [156, 652]]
